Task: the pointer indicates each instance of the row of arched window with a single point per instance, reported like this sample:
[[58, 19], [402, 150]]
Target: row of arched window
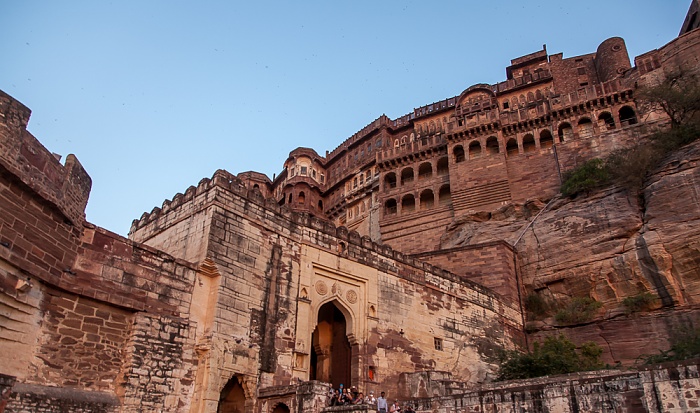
[[408, 174], [529, 142], [301, 200], [408, 203], [585, 127]]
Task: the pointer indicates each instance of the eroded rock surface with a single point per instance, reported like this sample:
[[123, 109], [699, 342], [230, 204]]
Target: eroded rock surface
[[608, 245]]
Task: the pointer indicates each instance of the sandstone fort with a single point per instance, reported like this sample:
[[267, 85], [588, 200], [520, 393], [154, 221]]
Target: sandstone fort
[[399, 261]]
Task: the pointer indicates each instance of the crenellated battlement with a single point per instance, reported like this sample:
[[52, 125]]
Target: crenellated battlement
[[349, 244], [66, 186], [358, 136]]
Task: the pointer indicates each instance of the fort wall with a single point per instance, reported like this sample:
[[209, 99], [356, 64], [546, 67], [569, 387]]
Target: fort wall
[[668, 387], [74, 294], [64, 187], [223, 287], [276, 268], [489, 264]]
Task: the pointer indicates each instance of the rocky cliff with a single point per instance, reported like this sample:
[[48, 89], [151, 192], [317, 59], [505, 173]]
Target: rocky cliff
[[607, 246]]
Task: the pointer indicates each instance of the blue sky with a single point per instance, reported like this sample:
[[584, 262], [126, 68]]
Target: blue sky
[[152, 96]]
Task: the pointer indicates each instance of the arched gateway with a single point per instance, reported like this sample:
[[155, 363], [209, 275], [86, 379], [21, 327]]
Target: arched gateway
[[331, 353], [232, 398]]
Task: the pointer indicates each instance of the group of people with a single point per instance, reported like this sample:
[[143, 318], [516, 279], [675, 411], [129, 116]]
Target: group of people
[[348, 396], [342, 397]]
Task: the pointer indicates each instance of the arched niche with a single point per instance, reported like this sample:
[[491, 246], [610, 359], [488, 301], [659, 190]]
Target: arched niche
[[333, 344]]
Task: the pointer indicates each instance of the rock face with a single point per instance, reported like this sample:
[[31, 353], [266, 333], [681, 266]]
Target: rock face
[[607, 246]]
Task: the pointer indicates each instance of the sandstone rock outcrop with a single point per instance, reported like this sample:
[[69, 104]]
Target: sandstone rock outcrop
[[608, 245]]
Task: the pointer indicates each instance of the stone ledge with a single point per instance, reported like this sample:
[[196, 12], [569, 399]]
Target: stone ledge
[[36, 391]]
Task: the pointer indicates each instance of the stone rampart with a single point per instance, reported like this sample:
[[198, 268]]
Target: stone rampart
[[66, 187], [287, 223], [668, 387]]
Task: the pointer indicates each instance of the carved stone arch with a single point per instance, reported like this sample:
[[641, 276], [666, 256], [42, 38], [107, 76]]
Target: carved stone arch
[[342, 307], [228, 399], [279, 407], [333, 328], [478, 92]]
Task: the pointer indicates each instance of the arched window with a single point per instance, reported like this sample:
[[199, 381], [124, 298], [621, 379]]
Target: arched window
[[442, 166], [530, 97], [281, 408], [627, 116], [301, 199], [585, 128], [408, 203], [512, 147], [425, 170], [427, 199], [390, 180], [546, 139], [406, 176], [605, 120], [390, 207], [444, 195], [539, 95], [566, 132], [474, 149], [256, 186], [396, 143], [232, 398], [458, 152], [492, 145], [320, 205], [529, 143], [289, 201]]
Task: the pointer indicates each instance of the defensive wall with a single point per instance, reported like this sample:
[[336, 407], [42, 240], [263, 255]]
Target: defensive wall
[[254, 246], [91, 321], [99, 322]]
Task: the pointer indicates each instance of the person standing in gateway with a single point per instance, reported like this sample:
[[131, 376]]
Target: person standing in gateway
[[381, 403]]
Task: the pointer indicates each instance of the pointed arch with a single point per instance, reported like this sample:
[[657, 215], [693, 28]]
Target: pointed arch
[[233, 396], [492, 145], [529, 144], [566, 132], [627, 116], [546, 139], [474, 149], [458, 153], [333, 343], [342, 307], [280, 408]]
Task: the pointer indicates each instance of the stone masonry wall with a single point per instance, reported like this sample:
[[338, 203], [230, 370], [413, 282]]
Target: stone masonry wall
[[33, 398], [71, 291], [63, 187], [490, 264], [259, 333], [34, 236], [81, 342], [417, 231], [160, 367], [671, 387]]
